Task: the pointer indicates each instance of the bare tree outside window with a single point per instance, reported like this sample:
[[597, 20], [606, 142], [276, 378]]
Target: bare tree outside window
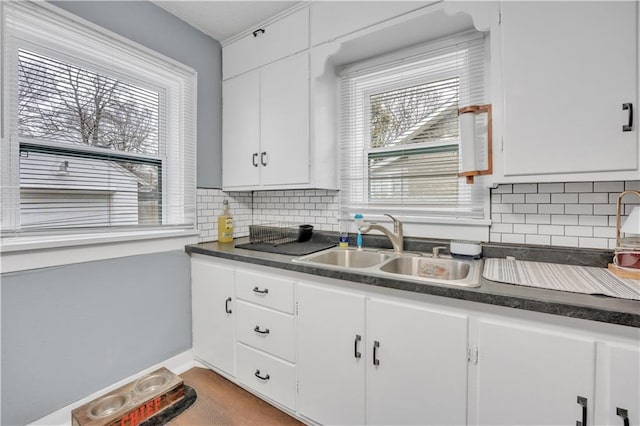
[[62, 102]]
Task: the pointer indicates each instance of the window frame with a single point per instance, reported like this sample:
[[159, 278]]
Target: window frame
[[414, 218], [176, 85]]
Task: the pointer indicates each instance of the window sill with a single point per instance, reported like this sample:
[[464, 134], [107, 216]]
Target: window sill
[[23, 253]]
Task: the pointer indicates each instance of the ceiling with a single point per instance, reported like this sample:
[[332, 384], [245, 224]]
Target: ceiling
[[224, 19]]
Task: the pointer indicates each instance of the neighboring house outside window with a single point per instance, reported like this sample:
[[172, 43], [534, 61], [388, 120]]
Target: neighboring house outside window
[[98, 134], [399, 135]]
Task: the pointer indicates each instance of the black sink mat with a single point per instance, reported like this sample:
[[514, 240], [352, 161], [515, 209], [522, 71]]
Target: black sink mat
[[290, 249], [173, 411]]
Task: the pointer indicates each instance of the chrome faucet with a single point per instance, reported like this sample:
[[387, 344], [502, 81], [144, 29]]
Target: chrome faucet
[[396, 237], [435, 252]]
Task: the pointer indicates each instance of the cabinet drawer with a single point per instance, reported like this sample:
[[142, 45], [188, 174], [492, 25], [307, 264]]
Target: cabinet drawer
[[282, 38], [267, 330], [266, 290], [269, 376]]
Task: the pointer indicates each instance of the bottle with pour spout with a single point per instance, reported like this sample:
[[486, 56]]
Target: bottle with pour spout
[[225, 224]]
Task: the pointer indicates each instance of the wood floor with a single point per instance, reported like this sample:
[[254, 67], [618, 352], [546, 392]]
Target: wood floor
[[221, 402]]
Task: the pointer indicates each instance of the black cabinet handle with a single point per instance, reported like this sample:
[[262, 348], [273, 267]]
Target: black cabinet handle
[[257, 330], [258, 31], [226, 305], [257, 290], [624, 414], [263, 155], [583, 402], [376, 345], [263, 378], [254, 159], [357, 354], [627, 127]]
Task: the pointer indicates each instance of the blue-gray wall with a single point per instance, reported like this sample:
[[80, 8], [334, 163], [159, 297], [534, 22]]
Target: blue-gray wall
[[153, 27], [70, 331]]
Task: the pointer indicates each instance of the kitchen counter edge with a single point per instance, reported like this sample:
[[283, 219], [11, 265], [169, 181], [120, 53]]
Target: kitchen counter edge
[[574, 305]]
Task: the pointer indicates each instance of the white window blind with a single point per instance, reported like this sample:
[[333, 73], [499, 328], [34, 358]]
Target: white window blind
[[399, 135], [97, 133]]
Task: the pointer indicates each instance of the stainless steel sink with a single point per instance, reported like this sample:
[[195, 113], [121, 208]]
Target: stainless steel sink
[[346, 258], [441, 269], [416, 267]]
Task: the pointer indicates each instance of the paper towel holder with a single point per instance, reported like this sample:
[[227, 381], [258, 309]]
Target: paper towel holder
[[478, 109]]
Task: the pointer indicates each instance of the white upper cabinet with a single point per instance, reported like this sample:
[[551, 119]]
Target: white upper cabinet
[[265, 119], [567, 70], [282, 38], [333, 19]]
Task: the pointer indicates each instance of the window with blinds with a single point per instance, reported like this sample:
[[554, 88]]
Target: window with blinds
[[97, 134], [399, 135]]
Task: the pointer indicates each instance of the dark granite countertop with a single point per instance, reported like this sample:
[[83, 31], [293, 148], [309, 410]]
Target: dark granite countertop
[[583, 306]]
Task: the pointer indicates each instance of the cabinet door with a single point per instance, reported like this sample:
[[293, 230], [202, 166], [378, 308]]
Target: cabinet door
[[284, 121], [623, 386], [282, 38], [241, 131], [331, 358], [417, 371], [212, 307], [532, 376], [568, 67]]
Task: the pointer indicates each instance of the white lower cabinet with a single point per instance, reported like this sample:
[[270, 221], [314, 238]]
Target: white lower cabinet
[[267, 375], [331, 355], [416, 366], [533, 376], [212, 305], [618, 387], [332, 352]]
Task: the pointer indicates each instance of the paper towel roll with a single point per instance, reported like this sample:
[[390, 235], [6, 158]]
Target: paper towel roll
[[468, 142]]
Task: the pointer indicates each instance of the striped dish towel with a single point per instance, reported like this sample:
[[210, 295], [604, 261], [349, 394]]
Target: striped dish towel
[[576, 279]]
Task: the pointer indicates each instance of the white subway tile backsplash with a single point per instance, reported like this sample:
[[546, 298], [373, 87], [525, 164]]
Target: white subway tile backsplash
[[578, 231], [593, 198], [550, 187], [593, 220], [601, 243], [617, 186], [512, 198], [525, 208], [551, 208], [525, 187], [573, 214], [564, 241], [538, 198], [564, 219], [537, 239], [578, 208], [564, 198], [544, 219], [551, 229], [578, 187]]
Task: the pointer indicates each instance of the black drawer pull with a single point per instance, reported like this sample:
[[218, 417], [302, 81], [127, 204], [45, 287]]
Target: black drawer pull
[[257, 330], [624, 414], [254, 159], [376, 345], [629, 126], [263, 378], [583, 402], [258, 291], [226, 305], [356, 353], [264, 158]]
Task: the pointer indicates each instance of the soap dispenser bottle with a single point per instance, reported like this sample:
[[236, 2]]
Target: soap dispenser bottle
[[225, 224], [359, 221]]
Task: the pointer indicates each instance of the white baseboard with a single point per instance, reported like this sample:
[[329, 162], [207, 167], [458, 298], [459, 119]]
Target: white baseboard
[[177, 364]]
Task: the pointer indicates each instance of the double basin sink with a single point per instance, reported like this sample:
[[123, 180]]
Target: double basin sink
[[418, 267]]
